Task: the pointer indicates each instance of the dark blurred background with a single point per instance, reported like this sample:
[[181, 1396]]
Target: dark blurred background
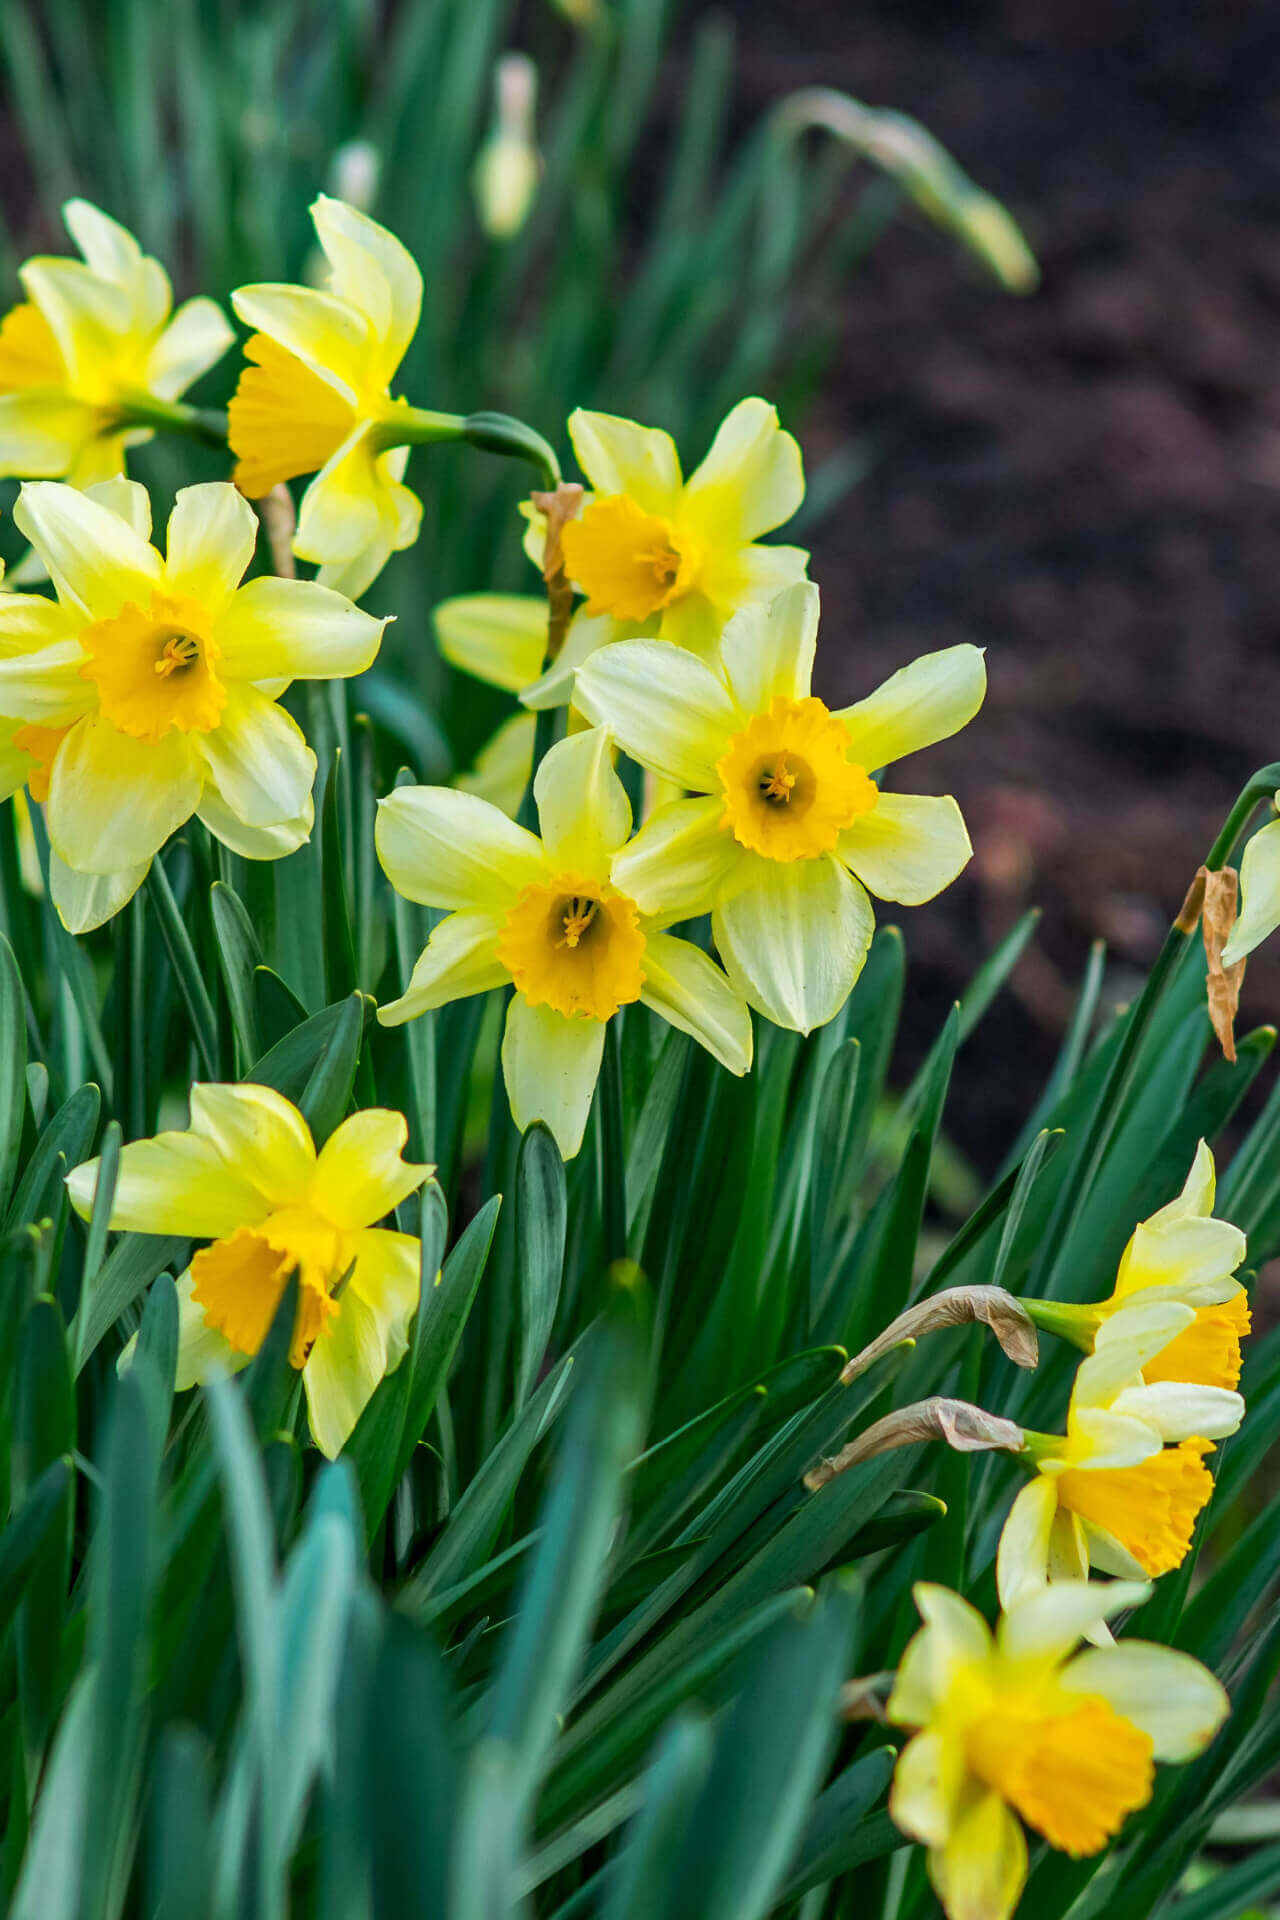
[[1087, 481]]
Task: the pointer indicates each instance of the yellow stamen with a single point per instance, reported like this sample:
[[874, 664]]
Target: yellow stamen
[[790, 788], [625, 560], [1074, 1774], [1207, 1353], [154, 669], [574, 945], [1151, 1509]]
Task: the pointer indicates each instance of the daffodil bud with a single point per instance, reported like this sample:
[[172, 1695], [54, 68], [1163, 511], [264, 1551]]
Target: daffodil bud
[[508, 165]]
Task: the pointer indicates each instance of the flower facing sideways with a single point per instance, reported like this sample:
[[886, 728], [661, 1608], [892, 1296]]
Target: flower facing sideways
[[1019, 1725], [548, 916], [316, 397], [92, 337], [789, 832], [1122, 1490], [1181, 1263], [245, 1176], [148, 689], [657, 556]]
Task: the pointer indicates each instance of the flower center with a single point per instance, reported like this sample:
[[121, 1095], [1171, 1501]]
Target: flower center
[[1151, 1509], [1207, 1353], [1074, 1774], [239, 1281], [627, 561], [154, 669], [790, 788], [574, 945]]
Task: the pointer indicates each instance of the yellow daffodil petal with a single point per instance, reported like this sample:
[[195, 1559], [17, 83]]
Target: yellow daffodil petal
[[1179, 1411], [176, 1183], [688, 990], [258, 759], [256, 1130], [735, 577], [255, 843], [43, 433], [666, 709], [202, 1350], [794, 939], [501, 771], [88, 316], [361, 1175], [375, 273], [43, 687], [447, 849], [924, 702], [694, 624], [194, 340], [1022, 1557], [583, 811], [356, 514], [587, 633], [908, 847], [501, 638], [618, 456], [460, 958], [1198, 1256], [1103, 1441], [112, 253], [1259, 895], [767, 651], [752, 479], [84, 901], [114, 800], [928, 1783], [94, 558], [294, 630], [1175, 1701], [328, 335], [1050, 1623], [551, 1065], [682, 861], [128, 498], [30, 620], [364, 1340], [979, 1873], [210, 542], [16, 763]]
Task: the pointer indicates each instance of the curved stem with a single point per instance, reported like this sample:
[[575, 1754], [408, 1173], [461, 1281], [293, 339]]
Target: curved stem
[[206, 424]]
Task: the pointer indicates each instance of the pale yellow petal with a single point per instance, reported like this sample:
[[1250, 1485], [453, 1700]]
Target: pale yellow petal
[[1259, 895], [258, 760], [259, 1135], [587, 633], [328, 335], [194, 340], [43, 433], [361, 1175], [752, 479], [681, 862], [176, 1183], [1169, 1696], [664, 707], [371, 269], [44, 686], [551, 1064], [794, 939], [344, 1369], [294, 630], [461, 958], [255, 843], [922, 703], [688, 990], [95, 559], [1022, 1557], [502, 768], [1049, 1623], [128, 498], [355, 515], [448, 849], [908, 848], [84, 901], [212, 534], [499, 637], [768, 649], [618, 456], [928, 1782], [980, 1872], [114, 801], [583, 811]]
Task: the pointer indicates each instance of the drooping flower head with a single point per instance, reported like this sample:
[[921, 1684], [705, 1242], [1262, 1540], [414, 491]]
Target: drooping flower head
[[148, 689], [318, 392], [245, 1176], [91, 336], [1122, 1490], [548, 916], [655, 555], [1020, 1726], [1259, 894], [1183, 1262], [790, 832]]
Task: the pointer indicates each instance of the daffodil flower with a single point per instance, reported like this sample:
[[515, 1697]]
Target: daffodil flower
[[93, 339], [316, 398], [1181, 1265], [1259, 895], [548, 916], [1020, 1726], [789, 832], [655, 555], [1111, 1493], [148, 689], [245, 1176]]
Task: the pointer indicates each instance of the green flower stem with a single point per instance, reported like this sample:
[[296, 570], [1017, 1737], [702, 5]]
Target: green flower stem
[[1069, 1322], [490, 432], [417, 427], [206, 424], [613, 1207]]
